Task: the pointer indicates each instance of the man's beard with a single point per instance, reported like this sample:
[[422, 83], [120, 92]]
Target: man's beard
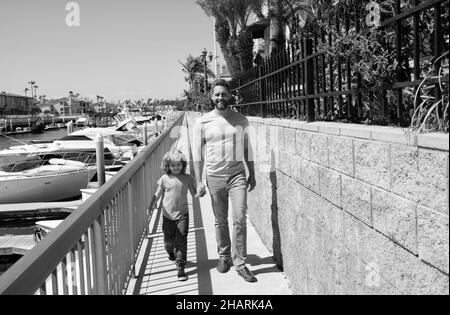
[[221, 105]]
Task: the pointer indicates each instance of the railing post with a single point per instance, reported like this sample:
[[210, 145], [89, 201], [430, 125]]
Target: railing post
[[144, 134], [100, 257], [69, 127], [131, 227], [100, 155], [309, 81]]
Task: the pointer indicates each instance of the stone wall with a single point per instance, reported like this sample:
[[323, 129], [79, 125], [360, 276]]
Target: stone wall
[[352, 209]]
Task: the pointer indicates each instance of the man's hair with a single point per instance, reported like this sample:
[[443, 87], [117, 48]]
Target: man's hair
[[175, 156], [221, 82]]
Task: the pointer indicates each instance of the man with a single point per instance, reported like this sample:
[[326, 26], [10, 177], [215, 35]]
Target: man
[[223, 134]]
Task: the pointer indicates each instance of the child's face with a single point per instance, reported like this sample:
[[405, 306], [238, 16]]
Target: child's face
[[175, 167]]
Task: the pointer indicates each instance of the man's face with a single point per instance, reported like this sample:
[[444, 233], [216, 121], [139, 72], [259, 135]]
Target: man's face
[[221, 97]]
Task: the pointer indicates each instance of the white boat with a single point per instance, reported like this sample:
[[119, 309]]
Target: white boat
[[82, 121], [58, 180], [118, 145]]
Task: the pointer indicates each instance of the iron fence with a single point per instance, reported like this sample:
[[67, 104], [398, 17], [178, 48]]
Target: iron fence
[[305, 81]]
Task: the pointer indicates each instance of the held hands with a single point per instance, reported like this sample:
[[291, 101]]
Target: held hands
[[251, 183], [201, 190]]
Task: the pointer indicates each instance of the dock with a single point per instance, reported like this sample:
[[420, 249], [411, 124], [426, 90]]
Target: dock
[[27, 210], [16, 244]]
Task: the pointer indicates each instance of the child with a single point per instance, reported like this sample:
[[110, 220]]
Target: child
[[174, 185]]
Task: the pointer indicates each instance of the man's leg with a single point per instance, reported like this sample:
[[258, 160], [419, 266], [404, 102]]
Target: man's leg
[[219, 200], [238, 194]]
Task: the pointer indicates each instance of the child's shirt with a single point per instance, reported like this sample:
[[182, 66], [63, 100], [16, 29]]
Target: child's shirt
[[175, 188]]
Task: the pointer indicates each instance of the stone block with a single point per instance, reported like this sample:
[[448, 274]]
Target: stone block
[[330, 128], [433, 183], [289, 140], [330, 185], [433, 238], [372, 163], [294, 193], [356, 131], [285, 162], [303, 144], [356, 199], [340, 154], [261, 149], [395, 217], [393, 135], [334, 253], [314, 286], [281, 138], [275, 159], [273, 137], [310, 176], [319, 149], [435, 141], [296, 168], [405, 271], [405, 171]]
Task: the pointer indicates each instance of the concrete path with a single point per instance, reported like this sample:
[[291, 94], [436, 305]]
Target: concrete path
[[158, 275]]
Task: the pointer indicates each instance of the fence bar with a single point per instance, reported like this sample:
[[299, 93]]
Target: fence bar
[[100, 257], [398, 35], [309, 81]]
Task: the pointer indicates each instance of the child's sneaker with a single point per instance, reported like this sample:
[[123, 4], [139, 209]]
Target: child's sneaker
[[172, 257], [182, 276]]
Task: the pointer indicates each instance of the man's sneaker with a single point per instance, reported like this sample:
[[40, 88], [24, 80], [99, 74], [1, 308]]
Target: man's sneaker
[[182, 276], [223, 266], [172, 257], [247, 275]]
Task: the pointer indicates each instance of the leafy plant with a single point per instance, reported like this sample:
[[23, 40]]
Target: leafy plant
[[432, 112]]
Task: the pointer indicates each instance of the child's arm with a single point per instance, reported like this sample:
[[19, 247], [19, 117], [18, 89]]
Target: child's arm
[[193, 188], [157, 195]]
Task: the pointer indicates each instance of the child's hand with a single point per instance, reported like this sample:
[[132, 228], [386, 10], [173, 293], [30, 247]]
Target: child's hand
[[201, 190]]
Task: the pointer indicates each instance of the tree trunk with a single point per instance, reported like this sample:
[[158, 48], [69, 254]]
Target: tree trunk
[[277, 39]]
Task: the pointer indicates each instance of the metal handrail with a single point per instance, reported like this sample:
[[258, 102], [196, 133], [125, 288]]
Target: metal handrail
[[93, 251]]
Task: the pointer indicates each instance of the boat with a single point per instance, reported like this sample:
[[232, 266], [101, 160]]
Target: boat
[[118, 146], [52, 180], [82, 122], [51, 127]]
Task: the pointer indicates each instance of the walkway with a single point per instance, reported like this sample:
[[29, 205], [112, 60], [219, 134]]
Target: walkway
[[158, 275]]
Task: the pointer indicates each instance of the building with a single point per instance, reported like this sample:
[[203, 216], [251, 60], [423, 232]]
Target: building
[[263, 31], [13, 104], [66, 106]]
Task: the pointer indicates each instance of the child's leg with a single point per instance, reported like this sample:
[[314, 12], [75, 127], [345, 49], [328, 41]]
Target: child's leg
[[169, 228], [181, 236]]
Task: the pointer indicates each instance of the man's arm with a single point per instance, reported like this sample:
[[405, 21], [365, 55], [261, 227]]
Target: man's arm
[[248, 156], [197, 150]]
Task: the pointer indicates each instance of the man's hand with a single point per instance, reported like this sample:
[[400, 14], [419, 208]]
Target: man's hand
[[251, 183], [201, 190]]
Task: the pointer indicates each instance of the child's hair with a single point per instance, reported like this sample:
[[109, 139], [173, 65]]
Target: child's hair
[[174, 155]]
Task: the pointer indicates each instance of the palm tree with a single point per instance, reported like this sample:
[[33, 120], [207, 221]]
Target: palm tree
[[26, 90], [31, 83], [194, 67], [35, 88]]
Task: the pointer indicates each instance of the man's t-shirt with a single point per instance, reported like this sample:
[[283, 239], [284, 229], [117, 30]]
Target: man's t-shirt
[[224, 142], [175, 188]]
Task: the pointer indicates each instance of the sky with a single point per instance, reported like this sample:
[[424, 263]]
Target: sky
[[122, 49]]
